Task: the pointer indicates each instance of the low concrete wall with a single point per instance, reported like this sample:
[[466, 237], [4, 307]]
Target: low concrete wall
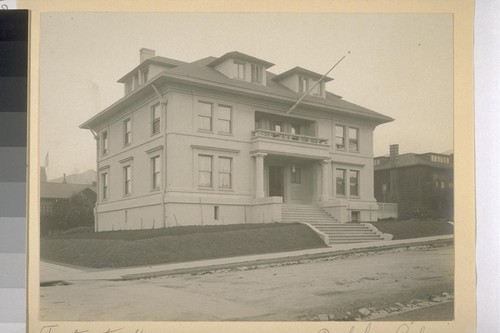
[[387, 210], [183, 211], [341, 210]]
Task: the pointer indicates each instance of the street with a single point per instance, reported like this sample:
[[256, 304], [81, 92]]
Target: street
[[321, 289]]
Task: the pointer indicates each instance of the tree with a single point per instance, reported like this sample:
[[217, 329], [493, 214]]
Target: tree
[[77, 211]]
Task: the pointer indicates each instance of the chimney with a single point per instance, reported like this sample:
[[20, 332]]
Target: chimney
[[394, 151], [146, 54]]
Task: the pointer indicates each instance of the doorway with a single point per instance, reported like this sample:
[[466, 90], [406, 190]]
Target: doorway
[[276, 182]]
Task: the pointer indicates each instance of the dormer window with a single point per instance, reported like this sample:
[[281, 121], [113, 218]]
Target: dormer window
[[144, 75], [318, 89], [239, 70], [256, 73], [128, 87], [303, 84]]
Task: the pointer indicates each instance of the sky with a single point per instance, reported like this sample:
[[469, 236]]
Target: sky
[[400, 65]]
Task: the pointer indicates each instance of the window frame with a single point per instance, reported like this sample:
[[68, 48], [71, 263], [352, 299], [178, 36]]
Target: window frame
[[209, 172], [221, 120], [230, 173], [155, 121], [237, 66], [104, 185], [200, 116], [344, 182], [127, 180], [127, 135], [144, 75], [353, 140], [156, 175], [104, 143], [256, 73], [339, 146], [351, 184], [302, 80]]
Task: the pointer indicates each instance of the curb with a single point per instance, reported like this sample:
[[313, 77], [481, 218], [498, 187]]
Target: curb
[[333, 253]]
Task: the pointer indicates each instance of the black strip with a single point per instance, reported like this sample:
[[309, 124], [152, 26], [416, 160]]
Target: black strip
[[13, 130]]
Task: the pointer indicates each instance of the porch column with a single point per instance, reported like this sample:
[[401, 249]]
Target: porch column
[[325, 184], [259, 174]]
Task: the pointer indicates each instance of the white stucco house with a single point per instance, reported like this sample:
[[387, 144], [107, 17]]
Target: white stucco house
[[211, 142]]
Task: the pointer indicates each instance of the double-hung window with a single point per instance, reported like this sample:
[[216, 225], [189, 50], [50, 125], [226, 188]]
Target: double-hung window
[[205, 171], [317, 89], [104, 186], [127, 132], [224, 116], [340, 181], [225, 166], [303, 84], [239, 70], [256, 73], [354, 183], [104, 143], [127, 180], [340, 137], [155, 119], [205, 116], [155, 172], [353, 139]]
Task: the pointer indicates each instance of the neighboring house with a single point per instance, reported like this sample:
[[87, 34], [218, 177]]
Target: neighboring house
[[211, 142], [52, 193], [421, 184]]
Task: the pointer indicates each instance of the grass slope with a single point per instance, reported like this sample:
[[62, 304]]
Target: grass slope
[[178, 244], [415, 228]]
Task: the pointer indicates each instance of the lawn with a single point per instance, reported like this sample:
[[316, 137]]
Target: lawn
[[415, 228], [129, 248]]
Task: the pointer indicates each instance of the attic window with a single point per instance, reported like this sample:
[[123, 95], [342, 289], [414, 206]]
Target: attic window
[[144, 74], [239, 70], [318, 91], [256, 73], [303, 84], [128, 86]]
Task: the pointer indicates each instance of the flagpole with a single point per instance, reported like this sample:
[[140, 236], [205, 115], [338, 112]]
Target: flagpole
[[317, 82]]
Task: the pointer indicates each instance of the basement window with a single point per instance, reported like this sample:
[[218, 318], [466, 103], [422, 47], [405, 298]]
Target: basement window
[[216, 212]]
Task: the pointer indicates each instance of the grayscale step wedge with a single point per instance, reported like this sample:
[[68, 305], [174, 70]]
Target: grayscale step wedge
[[338, 233]]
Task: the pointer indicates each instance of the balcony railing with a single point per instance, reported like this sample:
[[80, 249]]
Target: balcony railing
[[289, 137]]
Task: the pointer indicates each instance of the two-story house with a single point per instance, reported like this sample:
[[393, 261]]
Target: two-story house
[[212, 142]]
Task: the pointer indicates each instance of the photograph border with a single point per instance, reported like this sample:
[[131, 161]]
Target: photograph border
[[465, 308]]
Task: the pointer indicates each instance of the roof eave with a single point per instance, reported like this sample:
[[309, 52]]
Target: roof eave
[[376, 119]]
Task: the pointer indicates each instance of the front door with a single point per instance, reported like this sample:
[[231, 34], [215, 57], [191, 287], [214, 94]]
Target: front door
[[276, 182]]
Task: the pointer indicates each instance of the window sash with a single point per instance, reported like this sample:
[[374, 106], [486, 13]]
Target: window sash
[[104, 186], [239, 70], [340, 181], [205, 171], [205, 116], [105, 143], [155, 172], [224, 114], [225, 172], [155, 119], [353, 139], [256, 73], [340, 137], [127, 127], [127, 178], [354, 183], [303, 84]]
